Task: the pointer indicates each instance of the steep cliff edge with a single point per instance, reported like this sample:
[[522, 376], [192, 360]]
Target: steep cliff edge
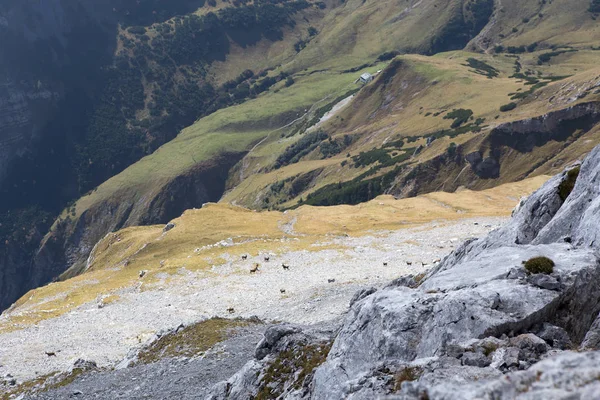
[[483, 324]]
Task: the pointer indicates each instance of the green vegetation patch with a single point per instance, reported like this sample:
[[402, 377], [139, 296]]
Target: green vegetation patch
[[539, 265], [508, 107], [398, 144], [191, 340], [482, 68], [460, 116], [331, 147], [566, 186], [356, 190], [302, 147], [546, 57], [371, 157], [290, 369]]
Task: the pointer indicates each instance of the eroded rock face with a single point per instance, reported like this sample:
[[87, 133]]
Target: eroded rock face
[[480, 326]]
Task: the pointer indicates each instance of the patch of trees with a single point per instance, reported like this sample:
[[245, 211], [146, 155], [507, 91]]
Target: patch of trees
[[460, 116], [331, 147], [508, 107], [301, 148], [146, 12], [352, 192], [475, 126], [482, 68], [542, 58], [22, 228], [173, 66]]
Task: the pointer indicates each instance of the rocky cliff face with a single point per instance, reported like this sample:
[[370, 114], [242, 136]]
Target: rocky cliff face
[[479, 326]]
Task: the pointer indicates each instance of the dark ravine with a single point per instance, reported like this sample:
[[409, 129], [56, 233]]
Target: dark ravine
[[51, 78]]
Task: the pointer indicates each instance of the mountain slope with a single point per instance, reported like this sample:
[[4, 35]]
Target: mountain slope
[[322, 48], [194, 269]]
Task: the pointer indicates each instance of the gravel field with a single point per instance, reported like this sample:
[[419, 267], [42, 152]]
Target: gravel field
[[106, 335]]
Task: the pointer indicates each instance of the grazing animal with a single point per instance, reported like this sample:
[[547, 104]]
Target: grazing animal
[[330, 280], [255, 268], [267, 258], [408, 263], [230, 310], [286, 267], [245, 257], [142, 273], [282, 291], [385, 264], [424, 264], [51, 354]]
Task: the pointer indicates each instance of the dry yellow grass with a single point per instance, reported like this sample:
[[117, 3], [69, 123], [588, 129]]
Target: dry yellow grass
[[119, 257]]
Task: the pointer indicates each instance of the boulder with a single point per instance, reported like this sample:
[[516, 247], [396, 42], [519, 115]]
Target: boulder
[[272, 335], [361, 294], [592, 338], [555, 336]]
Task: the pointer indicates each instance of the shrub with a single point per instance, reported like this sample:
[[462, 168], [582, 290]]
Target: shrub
[[459, 116], [508, 107], [566, 186], [539, 265], [483, 68], [407, 374]]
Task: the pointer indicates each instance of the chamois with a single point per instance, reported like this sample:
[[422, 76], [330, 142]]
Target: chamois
[[409, 263], [51, 354], [330, 280], [282, 291], [255, 268], [267, 258], [230, 310], [286, 267], [245, 257], [385, 264]]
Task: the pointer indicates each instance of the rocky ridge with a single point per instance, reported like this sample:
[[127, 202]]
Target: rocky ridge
[[479, 326]]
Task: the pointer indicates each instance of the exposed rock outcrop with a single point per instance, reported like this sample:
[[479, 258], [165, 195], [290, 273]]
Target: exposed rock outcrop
[[479, 326], [480, 164]]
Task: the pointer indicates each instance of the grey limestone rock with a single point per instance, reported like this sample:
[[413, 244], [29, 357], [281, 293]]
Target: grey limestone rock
[[272, 335], [361, 294], [592, 338], [555, 336]]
